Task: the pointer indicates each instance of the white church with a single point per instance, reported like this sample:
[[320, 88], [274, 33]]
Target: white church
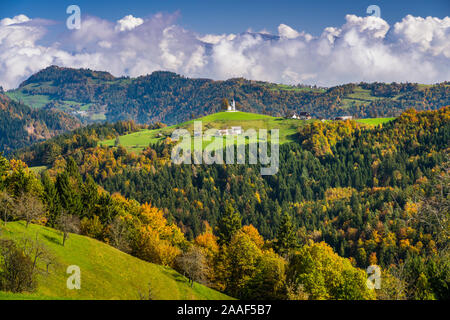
[[232, 108]]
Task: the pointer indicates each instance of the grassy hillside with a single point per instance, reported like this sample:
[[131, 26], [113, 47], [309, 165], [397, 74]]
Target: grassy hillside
[[374, 121], [106, 273], [137, 141], [221, 120]]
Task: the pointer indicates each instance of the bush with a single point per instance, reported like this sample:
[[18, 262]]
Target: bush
[[16, 268]]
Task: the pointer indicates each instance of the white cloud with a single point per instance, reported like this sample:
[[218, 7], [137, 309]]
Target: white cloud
[[215, 38], [426, 34], [128, 23], [362, 49], [287, 32], [17, 19]]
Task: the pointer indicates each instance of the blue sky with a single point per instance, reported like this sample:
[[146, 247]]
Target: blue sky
[[312, 42], [232, 16]]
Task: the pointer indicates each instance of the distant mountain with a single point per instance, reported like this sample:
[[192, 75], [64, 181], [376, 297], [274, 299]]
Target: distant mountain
[[20, 125], [171, 98]]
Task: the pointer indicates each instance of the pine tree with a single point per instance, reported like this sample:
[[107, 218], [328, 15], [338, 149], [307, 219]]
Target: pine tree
[[89, 197], [286, 237], [229, 224], [51, 199], [70, 199]]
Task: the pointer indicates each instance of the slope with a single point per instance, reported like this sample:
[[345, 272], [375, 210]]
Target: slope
[[106, 273], [288, 128], [21, 126]]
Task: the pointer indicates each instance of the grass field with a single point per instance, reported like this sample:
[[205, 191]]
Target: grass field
[[34, 101], [106, 273], [374, 121], [288, 128], [221, 120]]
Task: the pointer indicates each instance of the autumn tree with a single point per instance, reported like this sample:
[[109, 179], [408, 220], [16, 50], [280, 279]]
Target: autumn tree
[[207, 242], [156, 240], [194, 265], [269, 280], [434, 210], [29, 208], [119, 234], [324, 275], [6, 205], [224, 104], [21, 180], [67, 223], [16, 268], [243, 255]]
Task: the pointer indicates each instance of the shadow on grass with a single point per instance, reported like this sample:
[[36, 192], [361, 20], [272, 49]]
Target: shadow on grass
[[175, 275], [52, 239]]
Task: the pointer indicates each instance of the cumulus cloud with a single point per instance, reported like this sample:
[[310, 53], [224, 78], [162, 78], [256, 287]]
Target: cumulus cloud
[[362, 49], [287, 32], [128, 23], [17, 19]]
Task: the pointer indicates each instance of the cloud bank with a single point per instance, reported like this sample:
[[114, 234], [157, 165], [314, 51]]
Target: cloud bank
[[368, 49]]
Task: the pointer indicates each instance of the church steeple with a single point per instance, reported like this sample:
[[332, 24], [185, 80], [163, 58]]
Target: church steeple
[[232, 107]]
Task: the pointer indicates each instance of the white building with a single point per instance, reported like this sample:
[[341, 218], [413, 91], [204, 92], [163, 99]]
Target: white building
[[232, 108], [344, 118], [236, 130], [229, 132]]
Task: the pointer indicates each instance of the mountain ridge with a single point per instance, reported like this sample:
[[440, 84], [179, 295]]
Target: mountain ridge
[[164, 96]]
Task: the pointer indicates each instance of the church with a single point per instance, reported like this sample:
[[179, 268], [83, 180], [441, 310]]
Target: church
[[232, 108]]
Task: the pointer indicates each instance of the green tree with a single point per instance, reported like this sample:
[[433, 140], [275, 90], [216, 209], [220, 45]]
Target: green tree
[[70, 198], [51, 200], [324, 275], [229, 224], [89, 197], [269, 281], [286, 236], [243, 255]]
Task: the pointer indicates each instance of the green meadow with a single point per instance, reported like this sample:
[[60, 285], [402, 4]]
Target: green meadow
[[106, 273], [374, 121], [137, 141], [288, 128]]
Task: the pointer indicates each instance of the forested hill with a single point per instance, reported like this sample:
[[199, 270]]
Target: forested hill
[[171, 98], [20, 125], [369, 194]]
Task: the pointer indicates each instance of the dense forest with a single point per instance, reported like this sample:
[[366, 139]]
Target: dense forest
[[171, 98], [21, 126], [346, 196]]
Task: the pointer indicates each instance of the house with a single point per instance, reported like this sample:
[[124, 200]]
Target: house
[[305, 116], [236, 130], [229, 132], [302, 116], [344, 118]]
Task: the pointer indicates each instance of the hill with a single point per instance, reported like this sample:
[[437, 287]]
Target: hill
[[21, 126], [288, 128], [171, 98], [106, 273]]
